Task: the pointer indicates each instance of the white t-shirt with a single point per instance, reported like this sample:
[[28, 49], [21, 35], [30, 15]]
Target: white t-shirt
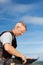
[[6, 38]]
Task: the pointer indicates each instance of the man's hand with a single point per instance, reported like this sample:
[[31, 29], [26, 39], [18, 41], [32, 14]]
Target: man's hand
[[12, 64], [24, 59], [11, 50]]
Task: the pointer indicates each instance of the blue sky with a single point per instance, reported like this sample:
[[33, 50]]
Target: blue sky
[[31, 13]]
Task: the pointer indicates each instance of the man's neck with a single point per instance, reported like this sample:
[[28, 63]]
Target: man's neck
[[13, 32]]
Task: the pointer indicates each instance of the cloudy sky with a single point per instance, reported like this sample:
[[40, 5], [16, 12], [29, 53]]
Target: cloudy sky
[[31, 13]]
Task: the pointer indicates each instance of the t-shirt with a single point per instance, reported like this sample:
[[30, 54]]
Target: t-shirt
[[6, 38]]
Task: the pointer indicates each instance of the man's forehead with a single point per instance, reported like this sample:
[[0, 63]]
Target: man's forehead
[[19, 24]]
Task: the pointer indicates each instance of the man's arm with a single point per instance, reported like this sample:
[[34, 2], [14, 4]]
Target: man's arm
[[11, 50], [6, 39]]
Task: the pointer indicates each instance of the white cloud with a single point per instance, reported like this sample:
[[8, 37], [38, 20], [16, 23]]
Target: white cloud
[[33, 20], [18, 9], [23, 8], [28, 7], [4, 1], [33, 42], [35, 55]]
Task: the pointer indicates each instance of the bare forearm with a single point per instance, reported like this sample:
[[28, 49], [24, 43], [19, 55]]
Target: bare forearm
[[13, 51]]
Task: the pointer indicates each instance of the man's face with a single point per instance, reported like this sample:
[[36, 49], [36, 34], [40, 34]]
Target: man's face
[[20, 30]]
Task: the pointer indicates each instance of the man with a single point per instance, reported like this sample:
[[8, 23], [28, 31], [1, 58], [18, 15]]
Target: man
[[6, 38]]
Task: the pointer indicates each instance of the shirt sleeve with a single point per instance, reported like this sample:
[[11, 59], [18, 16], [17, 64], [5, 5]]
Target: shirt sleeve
[[6, 38]]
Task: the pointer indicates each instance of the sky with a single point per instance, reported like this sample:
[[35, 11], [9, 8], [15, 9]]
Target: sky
[[31, 13]]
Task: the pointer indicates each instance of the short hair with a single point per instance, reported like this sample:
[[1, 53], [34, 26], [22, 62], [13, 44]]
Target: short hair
[[23, 24]]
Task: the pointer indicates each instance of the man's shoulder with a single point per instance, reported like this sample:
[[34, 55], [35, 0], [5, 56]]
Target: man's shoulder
[[6, 37], [5, 33]]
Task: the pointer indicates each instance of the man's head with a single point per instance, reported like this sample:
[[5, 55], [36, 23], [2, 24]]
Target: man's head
[[19, 28]]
